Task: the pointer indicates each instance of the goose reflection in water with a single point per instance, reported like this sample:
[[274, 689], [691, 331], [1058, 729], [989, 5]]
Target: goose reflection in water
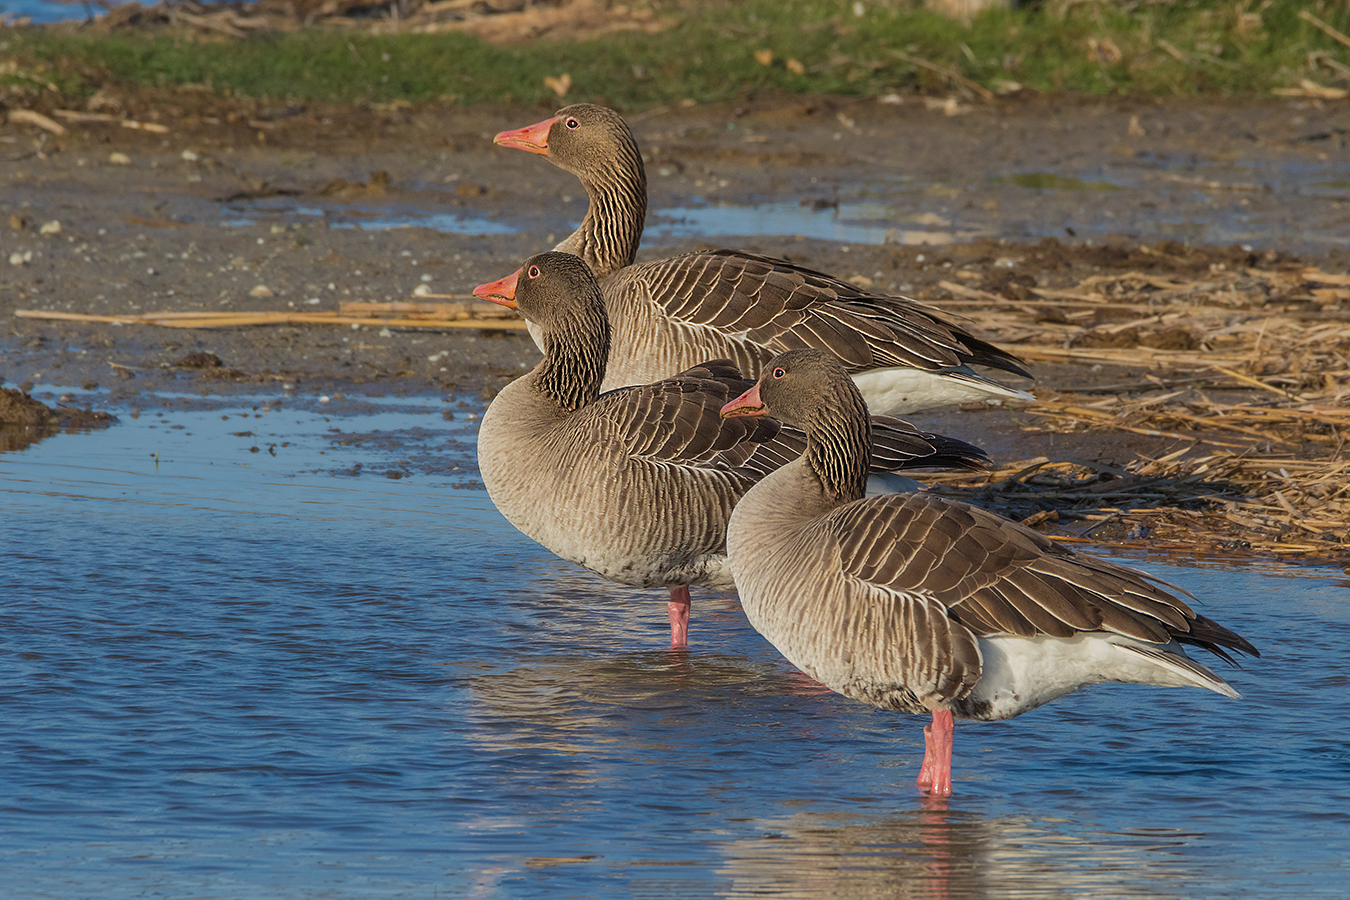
[[935, 852]]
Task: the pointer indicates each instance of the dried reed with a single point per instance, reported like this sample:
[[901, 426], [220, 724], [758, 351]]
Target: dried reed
[[1249, 370]]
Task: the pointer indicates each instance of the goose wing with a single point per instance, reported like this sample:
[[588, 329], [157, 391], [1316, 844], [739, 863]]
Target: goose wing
[[898, 445], [992, 576], [677, 420], [784, 306]]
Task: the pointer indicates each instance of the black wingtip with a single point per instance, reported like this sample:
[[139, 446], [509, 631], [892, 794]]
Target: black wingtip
[[983, 353], [954, 453], [1217, 639], [898, 445]]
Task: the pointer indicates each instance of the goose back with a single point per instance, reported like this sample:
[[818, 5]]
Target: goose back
[[674, 313]]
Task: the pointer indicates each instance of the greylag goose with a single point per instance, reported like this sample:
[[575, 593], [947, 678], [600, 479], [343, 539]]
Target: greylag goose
[[915, 603], [637, 484], [675, 313]]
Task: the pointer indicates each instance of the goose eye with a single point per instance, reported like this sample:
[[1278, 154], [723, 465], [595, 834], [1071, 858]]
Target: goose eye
[[572, 122], [779, 372], [534, 272]]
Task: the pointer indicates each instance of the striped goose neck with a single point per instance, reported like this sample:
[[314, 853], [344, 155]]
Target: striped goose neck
[[839, 446], [575, 351], [609, 235]]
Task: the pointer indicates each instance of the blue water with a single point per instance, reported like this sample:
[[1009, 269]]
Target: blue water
[[229, 673], [1203, 202], [384, 219], [42, 11], [857, 223]]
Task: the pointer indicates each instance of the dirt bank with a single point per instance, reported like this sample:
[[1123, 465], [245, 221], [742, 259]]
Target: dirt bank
[[225, 206]]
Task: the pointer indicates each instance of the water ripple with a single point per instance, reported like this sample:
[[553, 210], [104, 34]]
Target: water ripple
[[232, 674]]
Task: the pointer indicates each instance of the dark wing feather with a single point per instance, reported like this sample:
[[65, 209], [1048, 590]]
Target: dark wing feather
[[897, 445]]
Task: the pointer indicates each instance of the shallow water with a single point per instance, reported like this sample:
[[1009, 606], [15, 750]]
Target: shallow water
[[855, 223], [339, 216], [43, 11], [1259, 202], [232, 673]]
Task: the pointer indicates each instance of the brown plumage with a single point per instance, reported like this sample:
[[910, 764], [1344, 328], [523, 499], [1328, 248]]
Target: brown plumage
[[673, 313], [636, 484], [916, 603]]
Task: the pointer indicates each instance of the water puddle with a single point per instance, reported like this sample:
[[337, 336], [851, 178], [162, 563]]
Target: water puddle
[[858, 223], [273, 645], [42, 11], [237, 215], [1149, 197]]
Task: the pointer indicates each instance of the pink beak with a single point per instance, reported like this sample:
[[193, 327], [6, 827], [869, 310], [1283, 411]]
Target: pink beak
[[747, 404], [531, 138], [502, 291]]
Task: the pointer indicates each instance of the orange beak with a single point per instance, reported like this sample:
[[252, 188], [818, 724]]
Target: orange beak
[[531, 139], [747, 404], [502, 291]]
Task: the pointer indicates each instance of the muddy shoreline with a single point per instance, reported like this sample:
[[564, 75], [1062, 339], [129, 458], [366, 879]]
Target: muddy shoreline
[[232, 207], [189, 219]]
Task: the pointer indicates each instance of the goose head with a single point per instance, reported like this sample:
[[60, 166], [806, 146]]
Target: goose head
[[551, 289], [558, 293], [810, 389], [804, 388], [581, 138], [595, 145]]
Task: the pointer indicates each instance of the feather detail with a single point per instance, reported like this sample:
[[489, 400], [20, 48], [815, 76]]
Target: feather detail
[[916, 603], [674, 313]]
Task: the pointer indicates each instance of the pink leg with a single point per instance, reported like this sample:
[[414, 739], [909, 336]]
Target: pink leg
[[802, 685], [935, 776], [679, 617]]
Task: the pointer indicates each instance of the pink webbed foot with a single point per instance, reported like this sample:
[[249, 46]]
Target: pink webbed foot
[[935, 775], [679, 617]]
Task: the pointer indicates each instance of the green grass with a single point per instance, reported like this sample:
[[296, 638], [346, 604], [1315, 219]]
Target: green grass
[[1231, 48]]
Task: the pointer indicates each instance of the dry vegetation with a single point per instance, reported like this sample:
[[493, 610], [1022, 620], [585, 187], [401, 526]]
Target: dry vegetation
[[1247, 369]]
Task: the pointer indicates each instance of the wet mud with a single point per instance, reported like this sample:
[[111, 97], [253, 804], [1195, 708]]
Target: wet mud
[[235, 207], [25, 420]]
